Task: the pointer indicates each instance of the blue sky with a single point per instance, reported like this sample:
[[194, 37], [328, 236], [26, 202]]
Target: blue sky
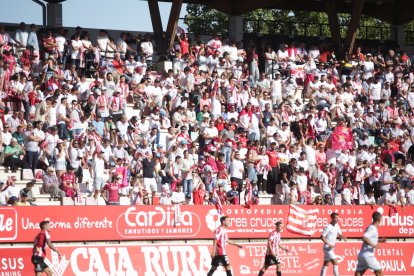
[[131, 15]]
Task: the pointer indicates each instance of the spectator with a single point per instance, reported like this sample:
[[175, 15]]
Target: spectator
[[13, 156], [110, 192], [68, 183], [51, 184], [27, 193]]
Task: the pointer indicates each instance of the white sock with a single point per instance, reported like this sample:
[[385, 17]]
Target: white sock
[[336, 271], [323, 271]]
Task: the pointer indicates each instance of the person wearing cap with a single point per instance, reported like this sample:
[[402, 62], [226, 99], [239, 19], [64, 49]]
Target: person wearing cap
[[13, 155], [273, 245], [110, 192], [115, 104], [233, 196]]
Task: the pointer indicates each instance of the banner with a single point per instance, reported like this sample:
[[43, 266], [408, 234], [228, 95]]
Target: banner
[[105, 223], [194, 259]]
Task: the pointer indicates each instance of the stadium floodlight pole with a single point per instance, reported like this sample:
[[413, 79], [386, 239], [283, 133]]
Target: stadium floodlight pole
[[43, 5]]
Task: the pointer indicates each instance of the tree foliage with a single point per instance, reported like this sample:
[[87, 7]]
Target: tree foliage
[[203, 20]]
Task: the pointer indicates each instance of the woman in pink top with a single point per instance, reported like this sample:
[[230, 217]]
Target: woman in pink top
[[320, 155]]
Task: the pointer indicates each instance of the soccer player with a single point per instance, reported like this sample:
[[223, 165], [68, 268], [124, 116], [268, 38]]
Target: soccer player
[[219, 253], [329, 236], [366, 257], [39, 250], [272, 253]]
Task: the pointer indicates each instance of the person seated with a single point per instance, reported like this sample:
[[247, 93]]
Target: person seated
[[27, 191], [14, 156], [50, 184], [68, 183]]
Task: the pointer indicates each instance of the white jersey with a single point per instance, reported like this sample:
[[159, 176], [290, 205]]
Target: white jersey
[[371, 233], [330, 233]]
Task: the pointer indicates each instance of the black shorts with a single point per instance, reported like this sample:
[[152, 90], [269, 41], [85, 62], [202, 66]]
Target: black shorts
[[79, 171], [39, 263], [271, 260], [220, 260]]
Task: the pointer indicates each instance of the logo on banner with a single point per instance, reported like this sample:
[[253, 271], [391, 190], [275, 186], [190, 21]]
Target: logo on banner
[[245, 270], [58, 266], [213, 219], [161, 222], [8, 224]]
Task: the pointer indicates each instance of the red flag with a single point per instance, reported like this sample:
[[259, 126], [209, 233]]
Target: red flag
[[392, 211], [301, 221], [342, 138]]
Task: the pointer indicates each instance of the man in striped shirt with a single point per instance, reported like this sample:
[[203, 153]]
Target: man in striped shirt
[[272, 253], [219, 253], [329, 236]]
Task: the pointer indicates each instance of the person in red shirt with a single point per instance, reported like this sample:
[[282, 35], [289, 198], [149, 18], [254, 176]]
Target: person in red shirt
[[110, 192], [199, 191], [118, 64], [39, 249], [184, 45], [49, 45], [219, 253], [69, 183], [274, 171], [221, 194]]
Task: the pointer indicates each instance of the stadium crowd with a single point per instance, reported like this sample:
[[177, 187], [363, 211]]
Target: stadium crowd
[[223, 126]]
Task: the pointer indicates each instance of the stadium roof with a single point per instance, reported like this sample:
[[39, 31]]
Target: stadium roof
[[395, 12]]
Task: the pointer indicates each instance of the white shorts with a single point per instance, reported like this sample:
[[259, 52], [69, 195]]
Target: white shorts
[[99, 183], [368, 262], [150, 184], [328, 254]]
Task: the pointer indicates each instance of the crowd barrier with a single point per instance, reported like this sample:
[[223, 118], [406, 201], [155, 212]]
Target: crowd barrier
[[194, 259], [113, 223]]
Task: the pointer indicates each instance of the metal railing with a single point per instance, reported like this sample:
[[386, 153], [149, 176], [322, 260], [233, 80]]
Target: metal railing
[[380, 32]]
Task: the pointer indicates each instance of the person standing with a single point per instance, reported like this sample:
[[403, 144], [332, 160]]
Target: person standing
[[110, 192], [366, 257], [272, 253], [39, 249], [329, 236], [148, 173], [219, 253]]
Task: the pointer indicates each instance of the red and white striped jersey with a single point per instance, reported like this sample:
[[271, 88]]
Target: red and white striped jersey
[[220, 235], [274, 239]]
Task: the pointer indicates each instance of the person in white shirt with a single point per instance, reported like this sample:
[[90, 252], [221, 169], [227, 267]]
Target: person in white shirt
[[178, 197], [21, 37], [147, 49], [98, 173], [368, 66], [329, 235], [374, 90], [366, 256], [237, 169], [369, 198], [33, 41], [76, 49]]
